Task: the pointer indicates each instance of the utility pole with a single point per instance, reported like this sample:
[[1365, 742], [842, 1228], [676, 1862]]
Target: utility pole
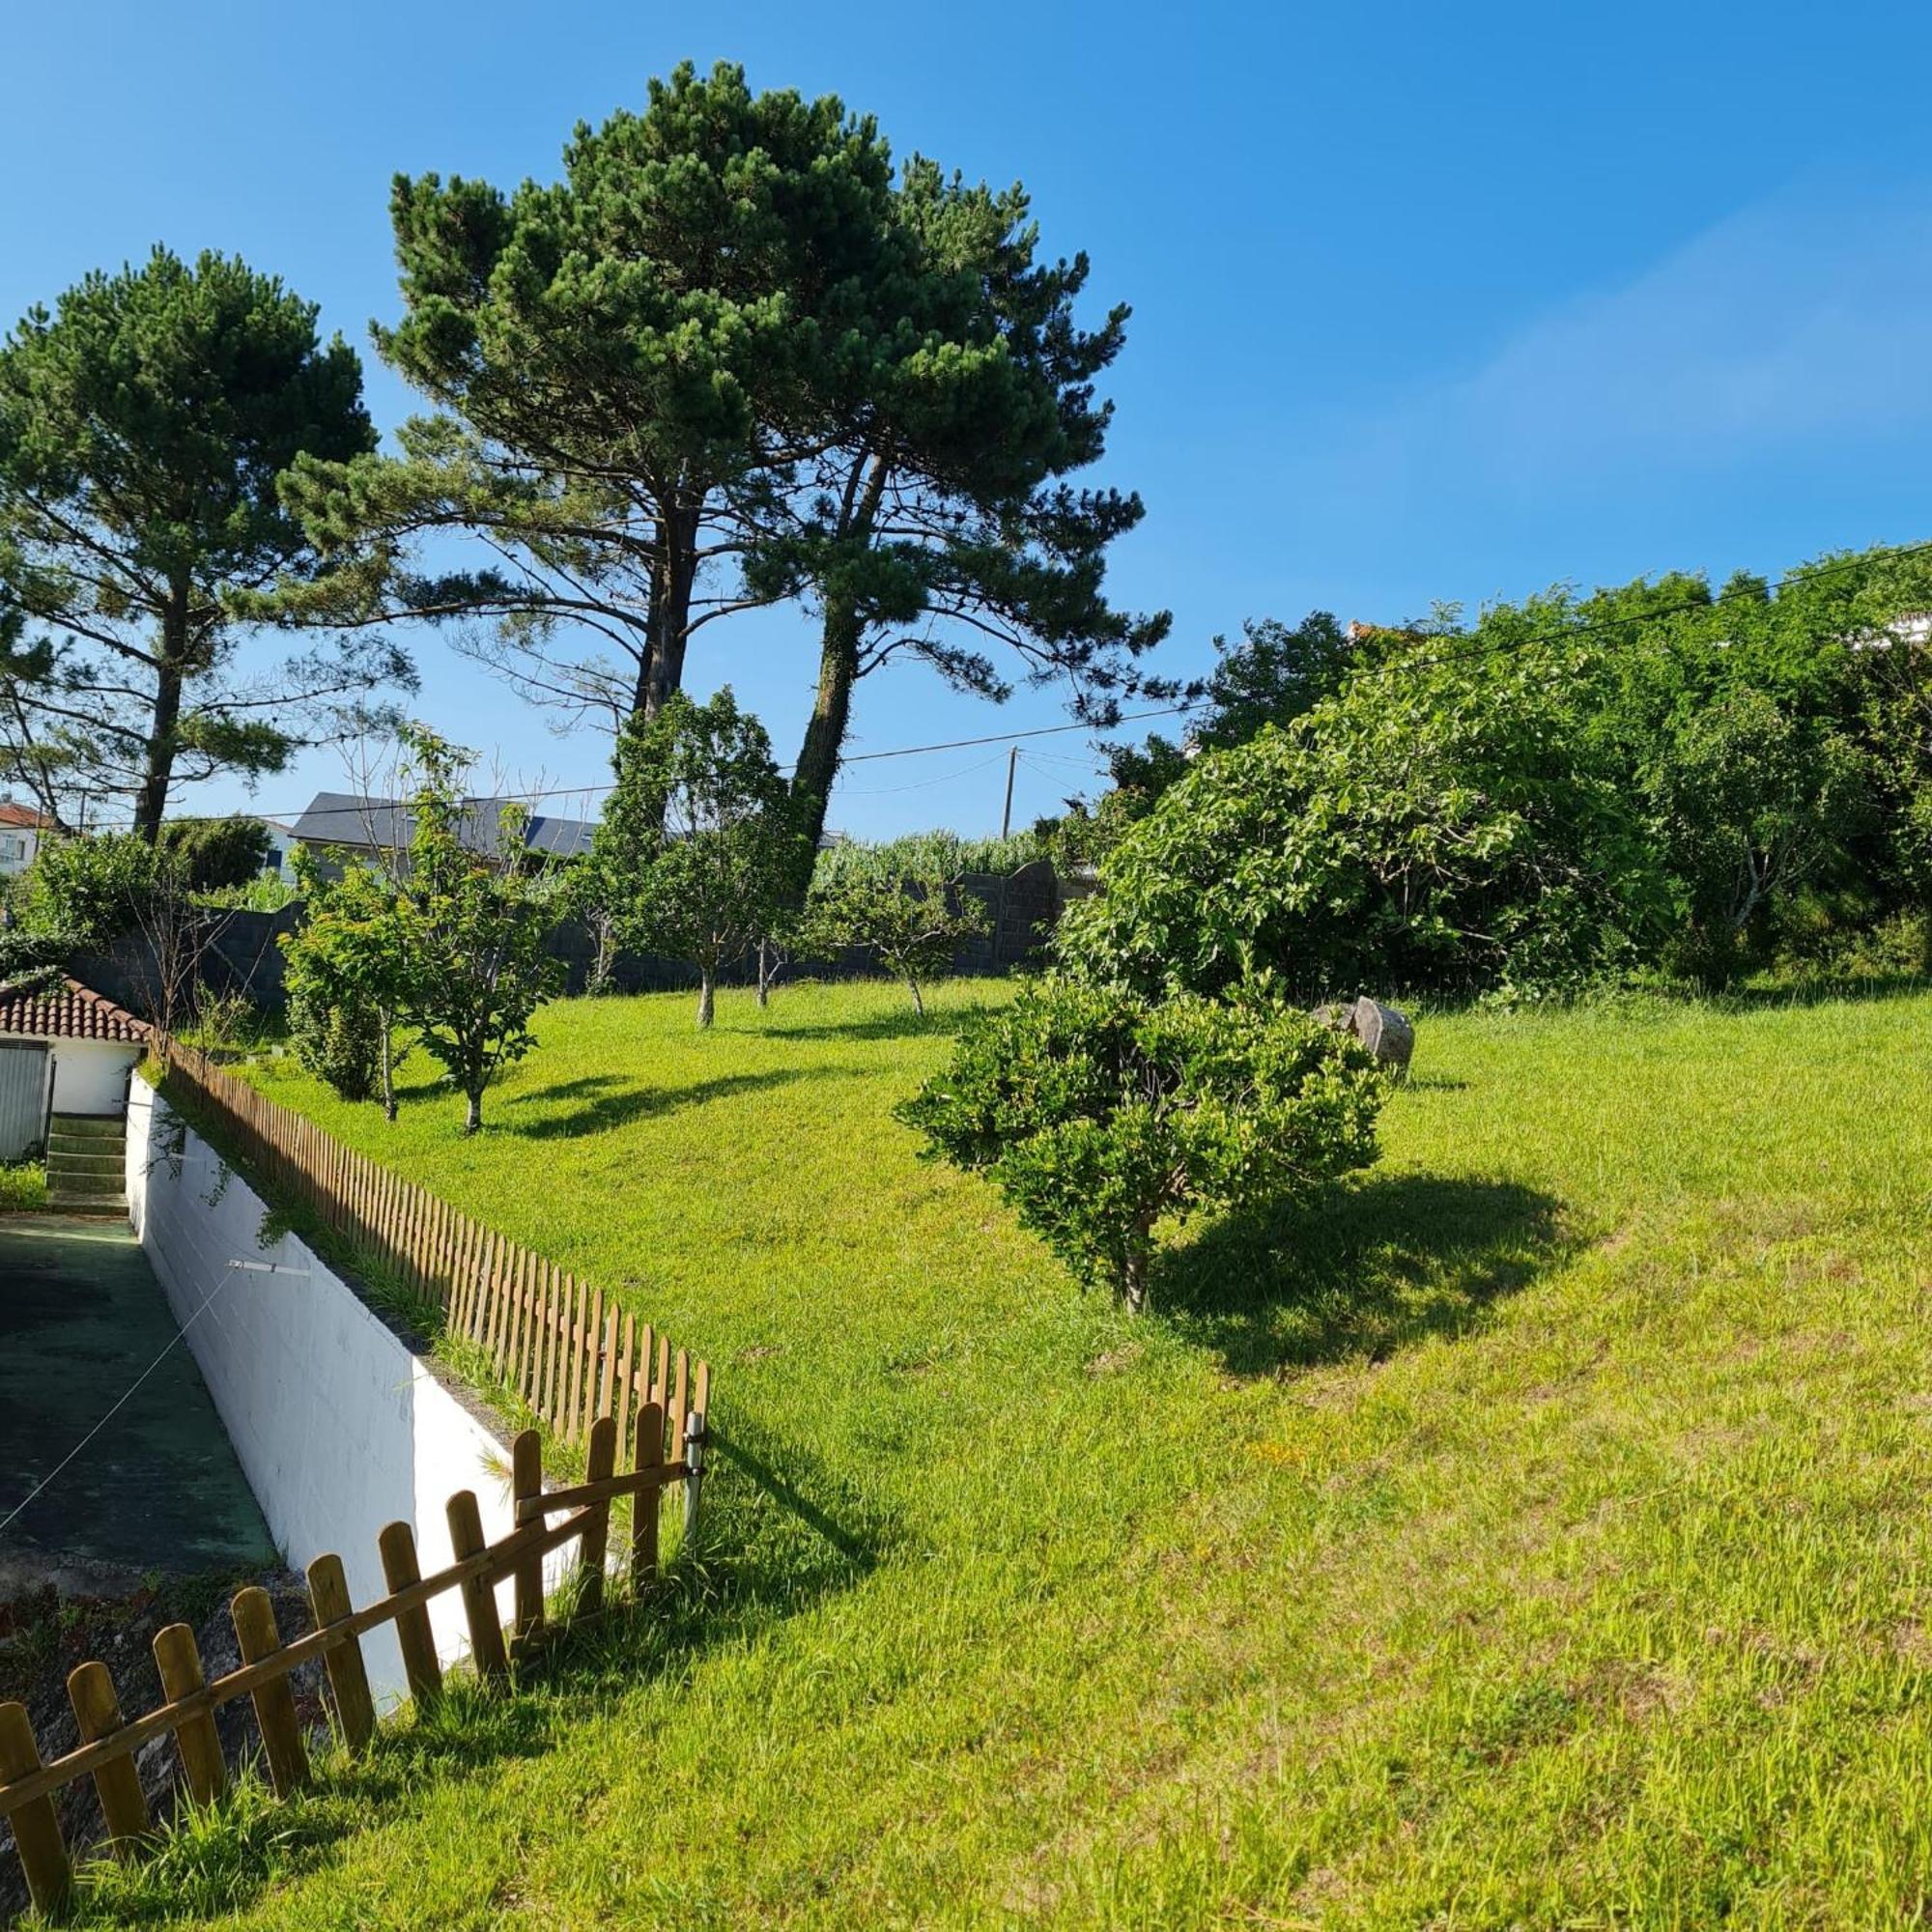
[[1007, 815]]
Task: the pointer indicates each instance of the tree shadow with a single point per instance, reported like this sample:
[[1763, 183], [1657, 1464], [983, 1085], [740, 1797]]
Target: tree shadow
[[906, 1025], [614, 1099], [1823, 991], [1366, 1270]]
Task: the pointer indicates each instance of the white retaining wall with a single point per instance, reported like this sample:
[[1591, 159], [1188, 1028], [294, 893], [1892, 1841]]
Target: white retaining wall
[[338, 1426]]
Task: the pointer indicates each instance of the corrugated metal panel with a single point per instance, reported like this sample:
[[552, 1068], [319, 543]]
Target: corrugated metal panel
[[23, 1093]]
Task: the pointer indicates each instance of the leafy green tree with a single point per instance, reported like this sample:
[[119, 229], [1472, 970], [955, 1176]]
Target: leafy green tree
[[693, 853], [1754, 801], [348, 977], [1099, 1115], [1274, 673], [730, 360], [472, 933], [143, 426], [912, 917], [625, 365], [86, 893], [1425, 827], [937, 524]]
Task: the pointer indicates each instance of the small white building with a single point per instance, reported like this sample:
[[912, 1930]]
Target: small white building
[[20, 830], [64, 1049]]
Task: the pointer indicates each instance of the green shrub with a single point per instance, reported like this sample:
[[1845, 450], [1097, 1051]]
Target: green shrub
[[217, 854], [88, 891], [1097, 1114], [338, 1038], [1446, 834]]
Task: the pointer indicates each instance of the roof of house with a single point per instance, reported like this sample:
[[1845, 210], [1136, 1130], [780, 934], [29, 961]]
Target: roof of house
[[66, 1009], [386, 825], [24, 816]]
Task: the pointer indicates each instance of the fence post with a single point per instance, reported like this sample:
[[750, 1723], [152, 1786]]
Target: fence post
[[348, 1675], [97, 1714], [479, 1594], [397, 1547], [527, 1481], [36, 1831], [599, 1464], [179, 1663], [254, 1618], [693, 1455], [645, 1505]]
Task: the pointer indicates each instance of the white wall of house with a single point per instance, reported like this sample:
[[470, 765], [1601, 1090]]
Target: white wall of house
[[91, 1075], [17, 845], [339, 1427]]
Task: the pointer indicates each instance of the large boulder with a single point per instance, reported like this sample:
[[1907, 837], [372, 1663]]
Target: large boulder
[[1387, 1032]]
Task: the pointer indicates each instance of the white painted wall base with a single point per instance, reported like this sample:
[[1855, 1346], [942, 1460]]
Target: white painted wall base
[[338, 1426]]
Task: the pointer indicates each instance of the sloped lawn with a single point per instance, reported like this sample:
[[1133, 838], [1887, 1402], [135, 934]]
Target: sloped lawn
[[1538, 1531]]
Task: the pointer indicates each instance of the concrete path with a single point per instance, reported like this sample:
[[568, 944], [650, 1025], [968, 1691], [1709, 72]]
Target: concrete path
[[158, 1488]]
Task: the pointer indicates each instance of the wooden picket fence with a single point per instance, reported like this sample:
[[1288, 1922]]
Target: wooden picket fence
[[547, 1336], [109, 1741]]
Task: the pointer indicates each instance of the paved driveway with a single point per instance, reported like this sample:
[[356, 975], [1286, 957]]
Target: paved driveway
[[157, 1489]]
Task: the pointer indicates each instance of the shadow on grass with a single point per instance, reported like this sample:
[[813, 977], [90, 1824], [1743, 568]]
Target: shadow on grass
[[897, 1025], [1364, 1271], [1823, 991], [781, 1534], [609, 1100]]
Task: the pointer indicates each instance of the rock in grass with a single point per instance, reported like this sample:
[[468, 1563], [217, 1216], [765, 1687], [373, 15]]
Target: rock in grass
[[1385, 1031]]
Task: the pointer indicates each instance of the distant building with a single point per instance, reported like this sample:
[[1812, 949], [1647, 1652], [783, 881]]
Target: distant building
[[282, 841], [20, 830], [364, 827]]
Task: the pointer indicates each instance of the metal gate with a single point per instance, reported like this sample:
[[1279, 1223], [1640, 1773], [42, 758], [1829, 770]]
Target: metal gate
[[23, 1095]]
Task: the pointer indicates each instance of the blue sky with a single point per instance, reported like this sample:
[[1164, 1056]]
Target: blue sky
[[1430, 302]]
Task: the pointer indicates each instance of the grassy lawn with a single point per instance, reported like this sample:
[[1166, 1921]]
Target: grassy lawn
[[1538, 1532]]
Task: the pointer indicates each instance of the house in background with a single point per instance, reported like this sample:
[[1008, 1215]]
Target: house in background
[[67, 1054], [363, 827], [283, 838], [20, 830]]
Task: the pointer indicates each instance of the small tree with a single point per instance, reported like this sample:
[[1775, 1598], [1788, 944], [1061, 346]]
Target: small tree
[[348, 978], [470, 930], [694, 848], [912, 917], [1096, 1114]]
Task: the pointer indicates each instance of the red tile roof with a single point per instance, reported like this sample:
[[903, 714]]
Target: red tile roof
[[23, 815], [66, 1009]]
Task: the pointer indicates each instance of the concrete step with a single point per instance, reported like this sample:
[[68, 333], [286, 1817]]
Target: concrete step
[[95, 1206], [92, 1126], [65, 1181], [88, 1160]]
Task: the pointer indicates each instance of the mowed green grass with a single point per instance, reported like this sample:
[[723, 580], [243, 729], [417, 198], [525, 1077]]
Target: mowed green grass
[[1537, 1531]]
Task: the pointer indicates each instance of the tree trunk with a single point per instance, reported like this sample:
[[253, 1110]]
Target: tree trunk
[[150, 801], [837, 671], [389, 1067], [706, 1002], [918, 998], [764, 974], [1133, 1277], [825, 732], [661, 673], [472, 1121]]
